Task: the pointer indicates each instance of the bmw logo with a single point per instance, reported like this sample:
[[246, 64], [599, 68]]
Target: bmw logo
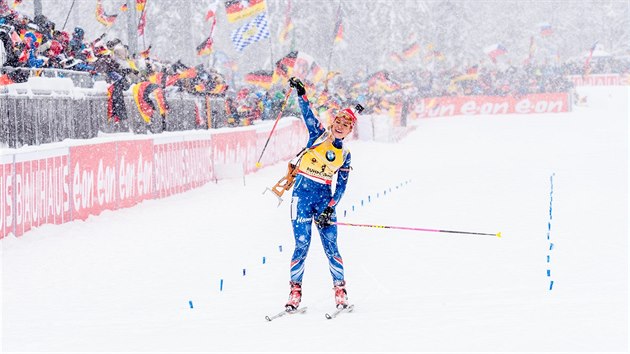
[[330, 155]]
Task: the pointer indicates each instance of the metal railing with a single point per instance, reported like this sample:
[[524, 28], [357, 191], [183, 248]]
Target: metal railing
[[33, 119]]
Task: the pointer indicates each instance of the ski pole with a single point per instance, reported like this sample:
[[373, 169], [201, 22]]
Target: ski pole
[[416, 229], [286, 99]]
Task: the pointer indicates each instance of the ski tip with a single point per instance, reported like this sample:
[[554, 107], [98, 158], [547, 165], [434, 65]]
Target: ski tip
[[499, 235], [267, 318]]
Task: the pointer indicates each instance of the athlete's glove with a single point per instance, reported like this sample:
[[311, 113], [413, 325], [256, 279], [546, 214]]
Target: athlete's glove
[[299, 86], [325, 218]]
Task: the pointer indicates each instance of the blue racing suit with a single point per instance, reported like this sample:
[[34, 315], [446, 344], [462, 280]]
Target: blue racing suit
[[324, 156]]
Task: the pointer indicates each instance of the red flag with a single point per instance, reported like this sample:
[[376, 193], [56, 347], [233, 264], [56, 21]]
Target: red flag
[[142, 23]]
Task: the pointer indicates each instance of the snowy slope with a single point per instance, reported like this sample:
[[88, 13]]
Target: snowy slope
[[122, 281]]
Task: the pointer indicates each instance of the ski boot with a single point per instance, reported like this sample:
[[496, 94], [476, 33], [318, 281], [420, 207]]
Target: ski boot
[[341, 295], [295, 296]]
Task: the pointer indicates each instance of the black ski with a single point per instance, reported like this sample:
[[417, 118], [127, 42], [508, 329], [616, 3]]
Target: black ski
[[337, 312], [286, 312]]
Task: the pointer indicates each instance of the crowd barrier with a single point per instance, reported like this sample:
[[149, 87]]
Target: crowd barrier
[[58, 185], [33, 114], [600, 80]]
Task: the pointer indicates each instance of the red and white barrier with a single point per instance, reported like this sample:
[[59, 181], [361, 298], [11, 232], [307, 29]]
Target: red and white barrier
[[600, 80], [54, 186], [476, 105]]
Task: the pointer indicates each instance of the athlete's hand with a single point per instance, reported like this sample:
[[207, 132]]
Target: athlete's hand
[[299, 86], [325, 218]]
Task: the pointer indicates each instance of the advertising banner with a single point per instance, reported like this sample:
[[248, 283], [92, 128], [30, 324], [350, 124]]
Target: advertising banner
[[134, 176], [93, 179], [478, 105], [6, 195], [181, 164], [235, 147], [40, 187]]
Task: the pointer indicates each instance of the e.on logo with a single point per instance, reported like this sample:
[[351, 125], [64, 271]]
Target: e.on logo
[[527, 106], [472, 108]]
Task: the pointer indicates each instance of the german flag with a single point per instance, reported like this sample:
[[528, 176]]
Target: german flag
[[186, 74], [241, 9], [146, 107], [140, 4], [317, 74], [284, 66], [102, 17], [145, 53], [288, 26], [411, 51], [338, 30], [205, 48], [261, 78]]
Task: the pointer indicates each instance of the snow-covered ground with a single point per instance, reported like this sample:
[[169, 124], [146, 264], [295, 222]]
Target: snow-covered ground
[[124, 281]]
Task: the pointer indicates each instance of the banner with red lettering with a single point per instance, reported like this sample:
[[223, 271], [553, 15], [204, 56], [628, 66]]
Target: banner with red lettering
[[93, 173], [600, 80], [59, 185], [40, 190], [134, 177], [6, 195], [235, 147], [181, 164], [476, 105]]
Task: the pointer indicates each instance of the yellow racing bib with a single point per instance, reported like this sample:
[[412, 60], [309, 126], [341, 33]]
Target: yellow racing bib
[[320, 162]]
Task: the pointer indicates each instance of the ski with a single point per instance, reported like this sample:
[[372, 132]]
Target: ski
[[286, 312], [337, 312]]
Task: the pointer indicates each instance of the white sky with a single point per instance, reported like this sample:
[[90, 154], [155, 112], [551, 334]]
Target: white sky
[[122, 281]]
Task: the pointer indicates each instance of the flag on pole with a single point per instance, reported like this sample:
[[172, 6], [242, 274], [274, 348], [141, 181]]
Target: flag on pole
[[532, 50], [212, 11], [205, 48], [411, 51], [545, 29], [251, 32], [241, 9], [102, 17], [142, 23], [284, 66], [338, 28], [288, 25], [494, 51], [145, 53], [587, 63], [261, 78]]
